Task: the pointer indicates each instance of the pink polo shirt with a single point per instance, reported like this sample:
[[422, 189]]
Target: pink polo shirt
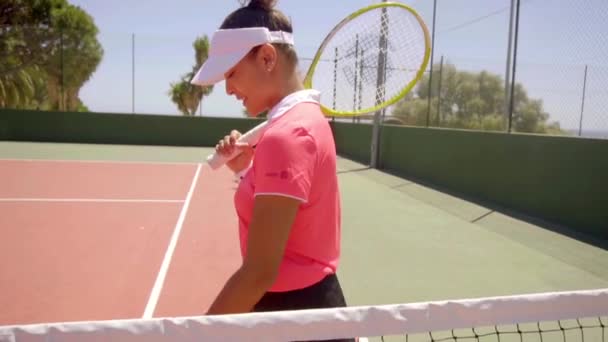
[[296, 157]]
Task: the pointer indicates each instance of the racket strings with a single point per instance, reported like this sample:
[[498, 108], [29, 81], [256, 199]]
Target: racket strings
[[370, 60]]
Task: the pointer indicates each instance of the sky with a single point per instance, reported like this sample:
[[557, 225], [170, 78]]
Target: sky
[[557, 39]]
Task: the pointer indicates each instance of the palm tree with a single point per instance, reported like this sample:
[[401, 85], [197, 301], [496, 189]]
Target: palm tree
[[16, 88], [186, 96]]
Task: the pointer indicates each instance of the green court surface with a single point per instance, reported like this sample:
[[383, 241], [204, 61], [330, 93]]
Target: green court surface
[[406, 242]]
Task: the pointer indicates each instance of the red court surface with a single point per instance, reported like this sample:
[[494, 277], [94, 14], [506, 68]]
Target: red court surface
[[103, 240]]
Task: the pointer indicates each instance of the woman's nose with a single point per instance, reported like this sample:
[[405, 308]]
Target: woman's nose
[[229, 89]]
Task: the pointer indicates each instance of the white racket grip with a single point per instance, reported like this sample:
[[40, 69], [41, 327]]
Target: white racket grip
[[216, 160]]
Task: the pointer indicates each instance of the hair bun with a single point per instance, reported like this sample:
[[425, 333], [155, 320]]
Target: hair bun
[[266, 5]]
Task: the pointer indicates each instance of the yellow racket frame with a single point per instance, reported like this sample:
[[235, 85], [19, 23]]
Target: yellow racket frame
[[427, 54]]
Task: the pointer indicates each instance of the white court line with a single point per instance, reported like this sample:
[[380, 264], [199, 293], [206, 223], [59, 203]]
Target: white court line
[[162, 273], [100, 161], [94, 200]]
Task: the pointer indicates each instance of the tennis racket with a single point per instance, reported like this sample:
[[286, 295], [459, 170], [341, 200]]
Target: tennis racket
[[369, 61]]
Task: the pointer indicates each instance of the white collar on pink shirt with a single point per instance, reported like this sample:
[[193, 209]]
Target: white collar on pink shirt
[[307, 95]]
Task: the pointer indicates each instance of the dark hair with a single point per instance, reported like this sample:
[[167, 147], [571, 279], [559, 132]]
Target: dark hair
[[261, 13]]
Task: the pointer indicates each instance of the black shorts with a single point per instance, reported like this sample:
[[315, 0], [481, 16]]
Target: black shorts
[[327, 293]]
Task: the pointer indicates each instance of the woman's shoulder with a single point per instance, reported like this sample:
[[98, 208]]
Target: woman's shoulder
[[305, 115], [287, 132]]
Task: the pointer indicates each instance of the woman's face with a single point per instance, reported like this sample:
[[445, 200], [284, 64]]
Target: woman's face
[[251, 80]]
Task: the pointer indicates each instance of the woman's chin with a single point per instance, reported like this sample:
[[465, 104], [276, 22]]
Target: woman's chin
[[249, 113], [254, 113]]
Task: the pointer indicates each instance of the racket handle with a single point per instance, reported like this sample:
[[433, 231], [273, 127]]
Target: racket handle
[[216, 160]]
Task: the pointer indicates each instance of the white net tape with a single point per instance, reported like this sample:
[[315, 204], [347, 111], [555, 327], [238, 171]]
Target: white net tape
[[370, 321]]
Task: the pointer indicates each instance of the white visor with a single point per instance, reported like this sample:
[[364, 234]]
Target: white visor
[[229, 46]]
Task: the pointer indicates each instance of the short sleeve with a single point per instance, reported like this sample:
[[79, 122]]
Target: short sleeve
[[284, 163]]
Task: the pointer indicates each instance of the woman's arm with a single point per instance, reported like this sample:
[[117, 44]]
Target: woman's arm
[[273, 216]]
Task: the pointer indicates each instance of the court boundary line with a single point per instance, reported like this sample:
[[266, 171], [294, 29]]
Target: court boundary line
[[86, 200], [98, 161], [162, 273]]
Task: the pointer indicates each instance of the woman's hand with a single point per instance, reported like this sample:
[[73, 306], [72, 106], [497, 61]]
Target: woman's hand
[[229, 144]]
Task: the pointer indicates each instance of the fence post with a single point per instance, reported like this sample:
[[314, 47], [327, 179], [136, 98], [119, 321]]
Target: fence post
[[380, 88], [62, 68], [580, 125], [439, 93], [356, 70], [514, 65], [133, 73], [508, 68], [428, 113], [335, 78]]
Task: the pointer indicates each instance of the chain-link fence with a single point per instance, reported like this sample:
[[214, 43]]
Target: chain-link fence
[[555, 52], [555, 65]]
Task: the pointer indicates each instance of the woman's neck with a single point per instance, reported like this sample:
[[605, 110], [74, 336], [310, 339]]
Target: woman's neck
[[287, 86]]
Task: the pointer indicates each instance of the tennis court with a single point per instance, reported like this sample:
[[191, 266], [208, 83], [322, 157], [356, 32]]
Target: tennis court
[[107, 232]]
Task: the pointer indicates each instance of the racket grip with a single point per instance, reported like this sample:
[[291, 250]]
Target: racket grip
[[216, 160]]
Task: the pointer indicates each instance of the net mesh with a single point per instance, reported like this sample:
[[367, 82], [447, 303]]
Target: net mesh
[[370, 59], [555, 316]]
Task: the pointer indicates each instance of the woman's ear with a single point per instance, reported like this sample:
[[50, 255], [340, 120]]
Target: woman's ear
[[267, 57]]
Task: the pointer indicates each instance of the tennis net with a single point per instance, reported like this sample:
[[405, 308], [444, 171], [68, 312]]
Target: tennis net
[[551, 316]]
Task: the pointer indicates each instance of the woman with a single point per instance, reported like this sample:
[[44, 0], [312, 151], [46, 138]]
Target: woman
[[287, 201]]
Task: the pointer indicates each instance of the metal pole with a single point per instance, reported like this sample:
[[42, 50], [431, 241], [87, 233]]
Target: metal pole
[[133, 73], [360, 87], [380, 87], [62, 81], [428, 114], [356, 71], [439, 93], [335, 80], [514, 65], [508, 67], [580, 125]]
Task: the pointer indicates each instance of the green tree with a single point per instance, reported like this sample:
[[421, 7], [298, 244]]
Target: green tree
[[78, 58], [19, 44], [187, 96], [472, 101], [48, 50]]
